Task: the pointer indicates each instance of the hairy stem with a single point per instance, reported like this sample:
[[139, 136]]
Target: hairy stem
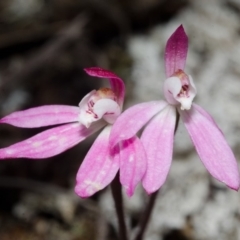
[[146, 216], [147, 213], [118, 200]]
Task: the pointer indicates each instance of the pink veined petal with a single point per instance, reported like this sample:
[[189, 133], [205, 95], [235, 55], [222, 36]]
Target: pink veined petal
[[133, 164], [116, 82], [98, 168], [176, 51], [50, 142], [133, 119], [212, 147], [42, 116], [84, 102], [157, 139], [106, 109]]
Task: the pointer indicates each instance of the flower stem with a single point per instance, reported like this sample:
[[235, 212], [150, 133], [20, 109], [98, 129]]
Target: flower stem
[[177, 122], [118, 200], [146, 215]]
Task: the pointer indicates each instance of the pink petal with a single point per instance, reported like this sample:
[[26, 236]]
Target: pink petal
[[212, 147], [132, 164], [157, 140], [50, 142], [176, 51], [98, 168], [116, 83], [133, 119], [42, 116]]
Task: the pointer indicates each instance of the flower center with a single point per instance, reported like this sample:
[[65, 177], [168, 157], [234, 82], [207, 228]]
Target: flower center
[[180, 89], [102, 93], [99, 104]]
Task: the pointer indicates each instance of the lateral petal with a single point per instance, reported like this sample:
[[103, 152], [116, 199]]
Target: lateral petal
[[116, 82], [205, 113], [98, 168], [212, 147], [50, 142], [157, 139], [133, 119], [42, 116], [176, 51], [133, 163]]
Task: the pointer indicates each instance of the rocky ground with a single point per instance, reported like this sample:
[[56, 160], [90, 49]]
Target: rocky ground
[[44, 46]]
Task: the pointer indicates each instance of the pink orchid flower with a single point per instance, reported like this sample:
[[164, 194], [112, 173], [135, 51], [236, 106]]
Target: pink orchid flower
[[98, 109], [160, 119]]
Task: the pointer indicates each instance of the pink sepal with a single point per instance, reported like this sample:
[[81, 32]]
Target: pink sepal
[[206, 114], [157, 139], [176, 51], [133, 119], [133, 163], [42, 116], [211, 146], [50, 142], [98, 168], [116, 82]]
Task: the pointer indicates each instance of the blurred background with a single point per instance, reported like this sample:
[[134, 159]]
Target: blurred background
[[44, 46]]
